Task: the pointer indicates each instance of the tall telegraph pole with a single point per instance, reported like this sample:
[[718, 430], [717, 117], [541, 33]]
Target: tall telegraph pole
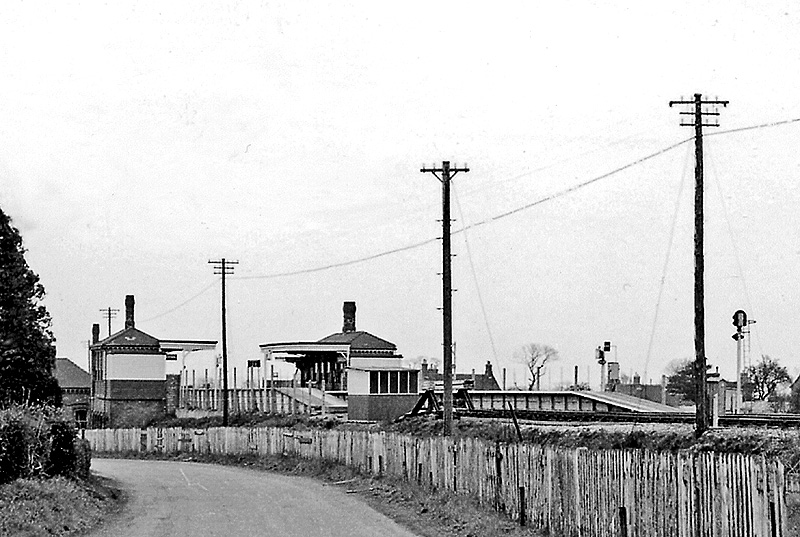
[[447, 174], [699, 113], [224, 267]]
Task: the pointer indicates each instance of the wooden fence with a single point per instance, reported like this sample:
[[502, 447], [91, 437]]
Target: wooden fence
[[568, 492]]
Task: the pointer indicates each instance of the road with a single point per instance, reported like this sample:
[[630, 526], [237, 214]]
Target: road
[[177, 499]]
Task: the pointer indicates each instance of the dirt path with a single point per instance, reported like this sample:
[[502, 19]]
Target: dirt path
[[176, 499]]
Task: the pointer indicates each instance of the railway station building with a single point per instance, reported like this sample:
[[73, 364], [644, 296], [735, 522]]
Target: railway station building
[[352, 368]]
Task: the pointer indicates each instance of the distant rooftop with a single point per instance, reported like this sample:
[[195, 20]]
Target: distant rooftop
[[70, 375]]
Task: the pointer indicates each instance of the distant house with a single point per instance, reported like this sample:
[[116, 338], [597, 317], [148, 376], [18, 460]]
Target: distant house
[[652, 392], [75, 386], [432, 379]]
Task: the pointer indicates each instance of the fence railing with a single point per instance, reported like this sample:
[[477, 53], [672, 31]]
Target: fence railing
[[569, 492], [240, 400]]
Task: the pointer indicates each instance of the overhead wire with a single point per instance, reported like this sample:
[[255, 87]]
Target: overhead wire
[[495, 218], [196, 295]]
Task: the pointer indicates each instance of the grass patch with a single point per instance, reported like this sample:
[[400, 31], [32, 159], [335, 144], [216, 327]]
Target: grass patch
[[426, 513], [55, 507]]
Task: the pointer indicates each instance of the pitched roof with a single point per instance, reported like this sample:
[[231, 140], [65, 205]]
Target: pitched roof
[[129, 337], [70, 375], [360, 340]]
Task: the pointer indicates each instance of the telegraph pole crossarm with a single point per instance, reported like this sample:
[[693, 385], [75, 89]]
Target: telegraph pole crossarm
[[702, 415], [109, 313], [224, 267], [447, 173]]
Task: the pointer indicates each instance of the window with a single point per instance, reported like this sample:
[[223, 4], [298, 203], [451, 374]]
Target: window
[[384, 382], [393, 382], [373, 382]]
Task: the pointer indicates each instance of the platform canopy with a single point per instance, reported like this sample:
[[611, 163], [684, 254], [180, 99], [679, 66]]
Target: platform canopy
[[297, 351], [187, 345]]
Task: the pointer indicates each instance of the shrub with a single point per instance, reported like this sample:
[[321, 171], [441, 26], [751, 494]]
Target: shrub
[[13, 451], [61, 458], [37, 441], [83, 458]]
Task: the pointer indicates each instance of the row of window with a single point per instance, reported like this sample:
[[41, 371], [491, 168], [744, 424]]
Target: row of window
[[393, 381]]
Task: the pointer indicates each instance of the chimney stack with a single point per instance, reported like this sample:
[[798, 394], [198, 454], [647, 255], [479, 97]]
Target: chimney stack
[[349, 310], [95, 333], [488, 371], [129, 302]]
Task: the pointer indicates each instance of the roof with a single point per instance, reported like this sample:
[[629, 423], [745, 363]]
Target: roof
[[360, 340], [129, 337], [628, 402], [70, 375], [303, 347]]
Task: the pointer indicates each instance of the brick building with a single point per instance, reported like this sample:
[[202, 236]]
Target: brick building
[[75, 384], [131, 382], [128, 375]]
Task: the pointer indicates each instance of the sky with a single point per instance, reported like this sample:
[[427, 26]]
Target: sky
[[139, 140]]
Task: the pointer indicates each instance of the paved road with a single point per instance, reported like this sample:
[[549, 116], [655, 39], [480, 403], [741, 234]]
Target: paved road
[[177, 499]]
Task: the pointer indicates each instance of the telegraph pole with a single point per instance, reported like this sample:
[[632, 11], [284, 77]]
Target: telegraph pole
[[447, 174], [699, 113], [109, 313], [224, 267]]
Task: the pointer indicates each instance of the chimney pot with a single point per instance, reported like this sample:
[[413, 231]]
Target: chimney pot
[[95, 333], [129, 318], [349, 310]]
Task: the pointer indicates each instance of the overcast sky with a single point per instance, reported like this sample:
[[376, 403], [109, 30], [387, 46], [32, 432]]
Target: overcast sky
[[138, 140]]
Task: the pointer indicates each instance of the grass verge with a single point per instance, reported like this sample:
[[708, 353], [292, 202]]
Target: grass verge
[[428, 514], [56, 506]]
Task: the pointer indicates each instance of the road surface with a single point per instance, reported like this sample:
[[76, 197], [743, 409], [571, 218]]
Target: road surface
[[177, 499]]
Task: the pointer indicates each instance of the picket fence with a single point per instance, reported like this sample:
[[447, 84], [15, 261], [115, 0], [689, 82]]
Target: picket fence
[[568, 492]]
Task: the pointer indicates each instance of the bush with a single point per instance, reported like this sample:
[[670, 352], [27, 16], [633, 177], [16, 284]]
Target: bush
[[83, 458], [37, 441], [61, 458], [13, 451]]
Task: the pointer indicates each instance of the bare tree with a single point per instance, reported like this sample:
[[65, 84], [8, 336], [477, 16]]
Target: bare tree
[[765, 377], [536, 356]]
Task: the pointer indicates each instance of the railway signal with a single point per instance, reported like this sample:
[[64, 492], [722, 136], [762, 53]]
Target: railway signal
[[740, 321]]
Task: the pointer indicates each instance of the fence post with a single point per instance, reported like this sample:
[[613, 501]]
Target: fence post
[[623, 521], [498, 466]]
